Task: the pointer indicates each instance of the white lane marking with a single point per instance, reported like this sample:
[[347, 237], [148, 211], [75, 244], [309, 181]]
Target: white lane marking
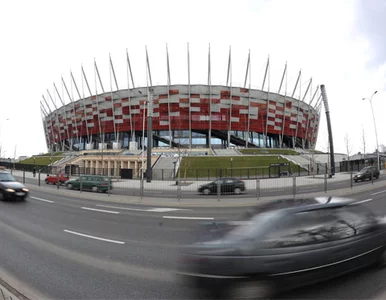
[[188, 218], [101, 210], [94, 237], [44, 200], [378, 193], [157, 209], [363, 201], [164, 209]]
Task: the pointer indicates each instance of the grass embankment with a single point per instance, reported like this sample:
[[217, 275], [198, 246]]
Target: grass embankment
[[268, 151], [236, 166], [42, 159]]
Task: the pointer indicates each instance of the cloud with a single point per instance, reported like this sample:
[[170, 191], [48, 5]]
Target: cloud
[[371, 25]]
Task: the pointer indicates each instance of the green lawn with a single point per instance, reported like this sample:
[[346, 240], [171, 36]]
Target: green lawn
[[268, 151], [41, 160], [217, 166]]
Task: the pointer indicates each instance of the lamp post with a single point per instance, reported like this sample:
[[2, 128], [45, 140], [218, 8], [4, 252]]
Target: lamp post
[[375, 125]]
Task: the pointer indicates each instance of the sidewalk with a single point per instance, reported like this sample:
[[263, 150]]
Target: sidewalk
[[203, 201]]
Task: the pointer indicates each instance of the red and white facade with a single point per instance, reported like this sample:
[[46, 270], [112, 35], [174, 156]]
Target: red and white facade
[[232, 115]]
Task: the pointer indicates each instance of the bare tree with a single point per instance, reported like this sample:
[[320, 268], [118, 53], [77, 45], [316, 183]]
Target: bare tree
[[348, 149], [382, 148]]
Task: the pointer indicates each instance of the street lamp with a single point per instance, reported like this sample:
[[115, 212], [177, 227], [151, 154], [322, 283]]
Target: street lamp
[[375, 125]]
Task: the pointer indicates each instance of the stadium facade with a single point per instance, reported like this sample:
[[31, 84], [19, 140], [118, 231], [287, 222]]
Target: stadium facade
[[185, 115]]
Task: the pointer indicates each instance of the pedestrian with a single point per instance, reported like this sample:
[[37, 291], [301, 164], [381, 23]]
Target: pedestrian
[[34, 171]]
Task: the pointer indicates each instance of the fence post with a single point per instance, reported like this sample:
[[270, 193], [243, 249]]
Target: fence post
[[23, 176], [294, 185], [218, 189], [39, 177], [141, 188], [108, 185], [58, 179], [325, 181], [257, 188], [178, 190], [372, 177], [80, 183]]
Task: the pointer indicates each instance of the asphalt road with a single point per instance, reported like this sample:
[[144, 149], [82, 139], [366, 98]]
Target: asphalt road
[[67, 247]]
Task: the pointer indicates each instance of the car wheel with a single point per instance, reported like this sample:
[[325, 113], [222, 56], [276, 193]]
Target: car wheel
[[252, 289], [46, 181], [69, 186], [237, 191], [95, 189], [206, 191], [2, 196]]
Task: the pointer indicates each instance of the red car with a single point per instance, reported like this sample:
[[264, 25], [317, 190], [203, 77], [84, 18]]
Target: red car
[[53, 179]]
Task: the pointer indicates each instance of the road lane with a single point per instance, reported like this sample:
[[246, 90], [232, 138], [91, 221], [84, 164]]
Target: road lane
[[43, 255]]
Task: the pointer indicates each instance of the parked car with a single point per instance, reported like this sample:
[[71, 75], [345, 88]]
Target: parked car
[[228, 185], [285, 173], [53, 179], [367, 173], [95, 183], [284, 245], [10, 188]]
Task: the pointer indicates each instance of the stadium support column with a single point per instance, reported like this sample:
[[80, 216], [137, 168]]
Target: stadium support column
[[326, 108], [149, 135]]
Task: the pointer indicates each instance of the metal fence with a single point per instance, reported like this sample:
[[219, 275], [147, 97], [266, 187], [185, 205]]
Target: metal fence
[[191, 188], [5, 295]]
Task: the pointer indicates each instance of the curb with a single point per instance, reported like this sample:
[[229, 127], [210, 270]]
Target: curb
[[7, 292]]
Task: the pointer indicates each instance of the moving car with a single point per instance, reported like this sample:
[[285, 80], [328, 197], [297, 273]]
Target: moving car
[[95, 183], [53, 179], [284, 245], [227, 186], [10, 188], [367, 173]]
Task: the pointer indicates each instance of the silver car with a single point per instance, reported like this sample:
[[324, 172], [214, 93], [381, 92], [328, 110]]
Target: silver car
[[283, 245]]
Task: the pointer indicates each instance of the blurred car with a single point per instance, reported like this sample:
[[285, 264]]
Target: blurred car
[[95, 183], [285, 173], [11, 189], [367, 173], [53, 179], [227, 186], [284, 245]]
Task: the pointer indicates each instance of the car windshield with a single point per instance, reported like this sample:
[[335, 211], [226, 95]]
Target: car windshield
[[6, 177], [251, 228]]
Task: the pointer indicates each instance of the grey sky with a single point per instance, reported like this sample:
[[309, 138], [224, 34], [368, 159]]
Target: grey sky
[[333, 41], [371, 25]]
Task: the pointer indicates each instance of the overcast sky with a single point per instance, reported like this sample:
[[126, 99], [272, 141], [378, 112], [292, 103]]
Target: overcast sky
[[341, 44]]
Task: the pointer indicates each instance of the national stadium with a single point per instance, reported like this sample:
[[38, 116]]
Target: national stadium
[[181, 115]]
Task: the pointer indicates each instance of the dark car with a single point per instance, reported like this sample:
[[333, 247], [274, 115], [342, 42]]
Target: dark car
[[227, 186], [367, 173], [10, 188], [95, 183], [284, 245]]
